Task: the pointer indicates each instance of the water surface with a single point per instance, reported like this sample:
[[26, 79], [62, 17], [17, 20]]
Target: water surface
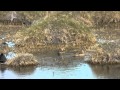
[[57, 67]]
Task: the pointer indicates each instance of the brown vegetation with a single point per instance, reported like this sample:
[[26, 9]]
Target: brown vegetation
[[23, 59], [61, 28], [106, 19], [104, 58], [56, 30]]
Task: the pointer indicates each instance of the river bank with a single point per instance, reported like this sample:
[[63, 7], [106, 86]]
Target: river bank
[[62, 32]]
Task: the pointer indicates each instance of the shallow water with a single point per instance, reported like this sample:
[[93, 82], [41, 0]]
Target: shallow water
[[79, 72], [52, 67], [60, 67]]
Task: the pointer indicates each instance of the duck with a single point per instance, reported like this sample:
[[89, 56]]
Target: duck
[[61, 51], [2, 58]]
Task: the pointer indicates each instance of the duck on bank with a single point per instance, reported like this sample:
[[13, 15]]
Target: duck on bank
[[61, 50]]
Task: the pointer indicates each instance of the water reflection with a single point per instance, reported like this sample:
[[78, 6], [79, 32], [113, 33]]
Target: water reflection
[[81, 71], [52, 59], [66, 70], [65, 66], [15, 72], [2, 68], [106, 71], [23, 70]]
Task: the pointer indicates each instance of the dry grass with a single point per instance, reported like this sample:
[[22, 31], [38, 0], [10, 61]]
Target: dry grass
[[23, 59], [104, 62], [58, 28], [104, 58], [106, 18]]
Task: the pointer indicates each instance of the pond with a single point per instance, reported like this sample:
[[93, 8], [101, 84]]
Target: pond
[[81, 71], [60, 67], [65, 66]]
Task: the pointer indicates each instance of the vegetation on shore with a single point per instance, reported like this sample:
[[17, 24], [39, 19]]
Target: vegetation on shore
[[23, 59], [108, 19], [57, 29], [67, 29]]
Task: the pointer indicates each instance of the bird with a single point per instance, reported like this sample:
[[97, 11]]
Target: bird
[[2, 58], [60, 51]]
